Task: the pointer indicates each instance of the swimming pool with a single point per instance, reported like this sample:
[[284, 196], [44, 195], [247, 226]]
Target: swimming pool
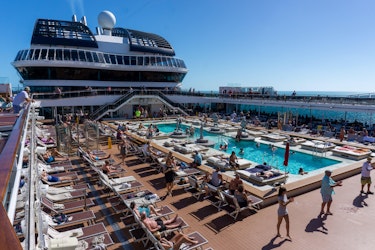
[[263, 153]]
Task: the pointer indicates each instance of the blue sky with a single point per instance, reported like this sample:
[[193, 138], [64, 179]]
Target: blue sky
[[302, 45]]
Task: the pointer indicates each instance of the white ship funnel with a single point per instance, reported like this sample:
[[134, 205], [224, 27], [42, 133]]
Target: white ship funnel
[[84, 20], [74, 18]]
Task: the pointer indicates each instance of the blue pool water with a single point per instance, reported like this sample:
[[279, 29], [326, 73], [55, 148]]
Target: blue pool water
[[262, 154]]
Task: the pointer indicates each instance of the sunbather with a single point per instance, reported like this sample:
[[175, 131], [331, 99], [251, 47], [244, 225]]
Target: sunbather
[[177, 240], [241, 196], [52, 178], [149, 210], [159, 225], [109, 168], [265, 174], [96, 157], [52, 156]]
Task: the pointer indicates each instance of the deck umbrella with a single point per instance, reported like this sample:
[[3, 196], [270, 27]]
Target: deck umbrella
[[286, 156]]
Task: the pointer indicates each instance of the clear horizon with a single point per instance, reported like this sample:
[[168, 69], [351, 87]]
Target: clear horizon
[[290, 45]]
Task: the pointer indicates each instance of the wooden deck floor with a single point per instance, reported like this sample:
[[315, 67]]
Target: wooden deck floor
[[349, 228]]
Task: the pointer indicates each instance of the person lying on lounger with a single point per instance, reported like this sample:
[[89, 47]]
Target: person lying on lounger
[[51, 178], [149, 210], [160, 225], [177, 240], [96, 157], [52, 156], [265, 174]]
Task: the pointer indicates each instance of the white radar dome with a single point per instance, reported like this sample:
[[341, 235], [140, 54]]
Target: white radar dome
[[106, 19]]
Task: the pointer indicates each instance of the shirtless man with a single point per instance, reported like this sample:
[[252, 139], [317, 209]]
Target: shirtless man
[[160, 225], [108, 168]]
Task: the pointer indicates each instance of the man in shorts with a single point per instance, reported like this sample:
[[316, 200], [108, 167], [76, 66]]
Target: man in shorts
[[327, 190], [365, 175]]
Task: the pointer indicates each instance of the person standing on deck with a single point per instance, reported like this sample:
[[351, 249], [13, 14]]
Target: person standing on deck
[[327, 190], [282, 211], [365, 175], [21, 99]]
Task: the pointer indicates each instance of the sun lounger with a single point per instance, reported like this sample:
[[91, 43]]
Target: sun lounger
[[74, 219], [273, 137], [66, 207], [101, 241], [65, 189], [66, 196], [80, 233], [350, 152], [252, 175], [318, 146], [295, 141], [215, 196], [73, 176], [195, 187], [233, 203]]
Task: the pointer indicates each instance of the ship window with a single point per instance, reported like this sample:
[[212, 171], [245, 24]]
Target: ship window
[[30, 55], [51, 54], [126, 60], [178, 63], [152, 60], [82, 56], [19, 55], [158, 59], [36, 54], [133, 60], [164, 61], [140, 60], [95, 56], [106, 58], [119, 60], [25, 55], [59, 54], [66, 55], [113, 59], [43, 54], [89, 56], [101, 57], [147, 60], [74, 55]]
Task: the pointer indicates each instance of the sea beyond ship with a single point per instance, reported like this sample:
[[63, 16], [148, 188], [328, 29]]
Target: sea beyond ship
[[87, 86]]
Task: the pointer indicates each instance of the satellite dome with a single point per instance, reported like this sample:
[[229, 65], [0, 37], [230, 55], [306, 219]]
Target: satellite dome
[[106, 19]]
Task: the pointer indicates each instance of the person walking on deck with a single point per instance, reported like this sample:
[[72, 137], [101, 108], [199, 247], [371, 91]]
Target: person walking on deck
[[327, 191], [282, 211], [365, 175]]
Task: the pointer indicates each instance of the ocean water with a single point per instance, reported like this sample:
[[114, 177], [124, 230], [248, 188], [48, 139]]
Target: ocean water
[[263, 153]]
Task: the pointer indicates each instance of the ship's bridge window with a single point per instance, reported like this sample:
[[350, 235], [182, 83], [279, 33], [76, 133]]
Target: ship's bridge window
[[158, 60], [147, 61], [74, 55], [89, 56], [95, 57], [140, 60], [106, 58], [36, 54], [101, 57], [30, 55], [66, 55], [113, 59], [81, 56], [19, 55], [119, 59], [43, 54], [59, 54], [152, 60], [126, 60], [25, 54], [164, 61], [133, 60], [51, 54]]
